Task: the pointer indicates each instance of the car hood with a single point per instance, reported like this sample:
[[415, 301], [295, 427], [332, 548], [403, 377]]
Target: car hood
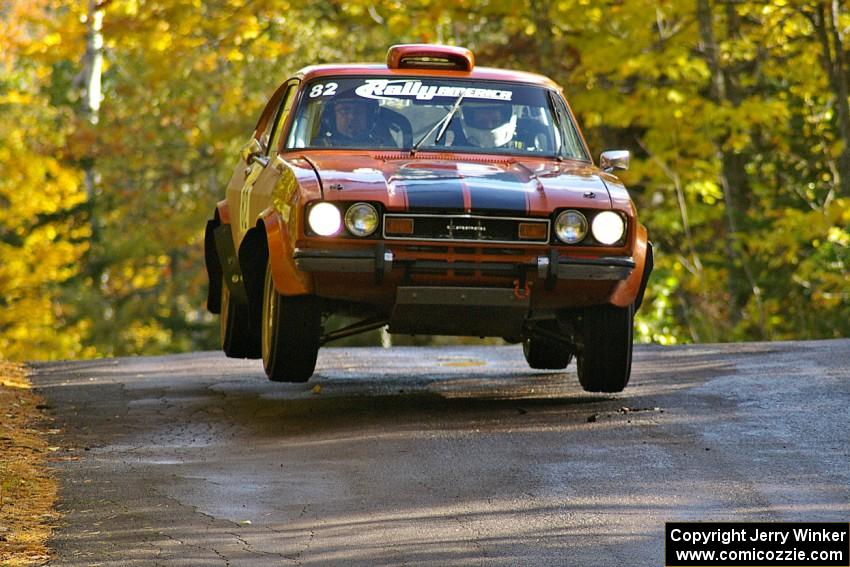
[[473, 185]]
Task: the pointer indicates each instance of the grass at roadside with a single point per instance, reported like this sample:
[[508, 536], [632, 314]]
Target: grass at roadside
[[27, 492]]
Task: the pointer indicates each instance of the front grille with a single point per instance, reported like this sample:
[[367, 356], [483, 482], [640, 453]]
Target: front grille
[[466, 228]]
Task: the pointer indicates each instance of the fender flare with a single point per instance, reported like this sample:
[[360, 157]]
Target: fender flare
[[288, 279], [268, 242], [630, 291], [222, 210]]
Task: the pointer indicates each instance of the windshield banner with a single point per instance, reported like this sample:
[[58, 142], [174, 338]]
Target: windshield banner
[[386, 88]]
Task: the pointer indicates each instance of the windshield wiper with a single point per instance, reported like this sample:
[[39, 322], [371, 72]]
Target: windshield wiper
[[444, 122]]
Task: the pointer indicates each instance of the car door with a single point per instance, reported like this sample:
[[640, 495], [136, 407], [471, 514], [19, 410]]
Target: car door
[[257, 197], [252, 159]]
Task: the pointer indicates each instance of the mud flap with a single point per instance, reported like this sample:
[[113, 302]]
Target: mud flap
[[230, 264], [213, 267], [647, 269]]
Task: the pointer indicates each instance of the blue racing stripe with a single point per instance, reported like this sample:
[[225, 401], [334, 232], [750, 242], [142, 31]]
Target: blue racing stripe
[[500, 192], [439, 194]]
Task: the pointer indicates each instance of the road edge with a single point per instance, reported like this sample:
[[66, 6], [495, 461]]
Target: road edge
[[28, 490]]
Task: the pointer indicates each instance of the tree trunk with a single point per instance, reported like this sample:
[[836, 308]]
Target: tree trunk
[[93, 62], [705, 18], [724, 88], [90, 75], [835, 64], [541, 16]]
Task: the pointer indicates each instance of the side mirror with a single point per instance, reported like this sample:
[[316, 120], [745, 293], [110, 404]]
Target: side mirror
[[251, 150], [614, 159]]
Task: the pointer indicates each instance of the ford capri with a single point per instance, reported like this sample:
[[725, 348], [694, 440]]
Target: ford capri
[[432, 197]]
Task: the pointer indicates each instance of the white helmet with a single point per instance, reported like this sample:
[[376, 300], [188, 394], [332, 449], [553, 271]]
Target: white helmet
[[488, 124]]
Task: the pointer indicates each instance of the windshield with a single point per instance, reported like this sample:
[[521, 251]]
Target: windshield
[[378, 113]]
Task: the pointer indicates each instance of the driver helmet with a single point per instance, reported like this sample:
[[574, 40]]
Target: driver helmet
[[354, 111], [488, 124]]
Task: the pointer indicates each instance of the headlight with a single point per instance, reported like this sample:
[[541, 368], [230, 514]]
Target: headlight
[[324, 219], [608, 227], [361, 219], [571, 226]]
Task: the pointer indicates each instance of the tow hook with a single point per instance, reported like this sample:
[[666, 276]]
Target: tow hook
[[522, 292]]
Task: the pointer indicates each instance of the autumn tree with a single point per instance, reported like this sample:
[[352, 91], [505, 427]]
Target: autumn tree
[[42, 236], [736, 114]]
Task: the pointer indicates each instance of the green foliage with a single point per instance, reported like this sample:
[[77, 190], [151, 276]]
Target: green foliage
[[727, 107]]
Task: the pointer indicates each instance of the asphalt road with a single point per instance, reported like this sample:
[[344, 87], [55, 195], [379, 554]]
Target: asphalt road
[[449, 456]]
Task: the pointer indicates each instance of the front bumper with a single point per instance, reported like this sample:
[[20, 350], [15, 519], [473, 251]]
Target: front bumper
[[376, 259], [380, 261]]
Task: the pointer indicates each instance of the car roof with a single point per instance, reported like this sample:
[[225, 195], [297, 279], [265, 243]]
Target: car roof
[[380, 70]]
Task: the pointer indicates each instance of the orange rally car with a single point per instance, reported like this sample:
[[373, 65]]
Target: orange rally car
[[433, 197]]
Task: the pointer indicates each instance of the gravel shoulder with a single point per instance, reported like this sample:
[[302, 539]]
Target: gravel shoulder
[[27, 491]]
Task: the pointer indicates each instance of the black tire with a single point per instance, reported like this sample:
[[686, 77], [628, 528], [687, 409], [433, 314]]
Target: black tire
[[605, 358], [239, 339], [546, 354], [290, 332]]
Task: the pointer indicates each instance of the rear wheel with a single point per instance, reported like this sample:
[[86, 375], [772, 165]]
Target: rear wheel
[[605, 359], [238, 338], [291, 327], [544, 353]]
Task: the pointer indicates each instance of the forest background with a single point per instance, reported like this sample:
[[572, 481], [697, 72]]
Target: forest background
[[120, 122]]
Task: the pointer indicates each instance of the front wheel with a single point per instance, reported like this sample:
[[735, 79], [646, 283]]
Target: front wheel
[[291, 327], [605, 358]]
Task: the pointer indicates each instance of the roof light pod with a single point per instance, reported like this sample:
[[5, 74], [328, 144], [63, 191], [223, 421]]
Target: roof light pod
[[430, 56]]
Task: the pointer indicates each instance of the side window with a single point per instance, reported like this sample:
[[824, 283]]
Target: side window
[[572, 142], [306, 126], [280, 119], [265, 125], [267, 134]]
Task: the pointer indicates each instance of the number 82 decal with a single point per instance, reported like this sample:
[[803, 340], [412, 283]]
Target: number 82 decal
[[323, 90]]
